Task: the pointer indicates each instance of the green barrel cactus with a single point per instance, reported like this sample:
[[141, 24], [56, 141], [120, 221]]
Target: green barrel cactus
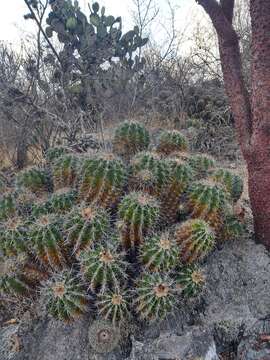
[[232, 228], [232, 182], [180, 178], [114, 306], [8, 206], [103, 267], [190, 280], [201, 164], [208, 201], [46, 240], [34, 179], [148, 173], [160, 253], [195, 239], [86, 225], [103, 178], [138, 214], [64, 296], [170, 141], [55, 153], [156, 296], [65, 171], [62, 200], [13, 236], [130, 138]]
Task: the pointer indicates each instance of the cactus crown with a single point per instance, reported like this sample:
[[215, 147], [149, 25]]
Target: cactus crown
[[171, 141], [190, 280], [195, 238], [13, 236], [130, 138]]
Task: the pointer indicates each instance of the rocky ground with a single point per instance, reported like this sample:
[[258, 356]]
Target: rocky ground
[[230, 318]]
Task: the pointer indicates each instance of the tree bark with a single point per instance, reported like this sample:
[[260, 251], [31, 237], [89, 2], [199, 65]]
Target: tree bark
[[251, 111]]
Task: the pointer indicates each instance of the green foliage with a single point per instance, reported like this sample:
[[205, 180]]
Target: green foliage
[[85, 226], [148, 173], [114, 306], [156, 296], [65, 297], [138, 214], [232, 182], [160, 253], [130, 138], [190, 281], [195, 239], [103, 267], [46, 240], [171, 141], [34, 179], [102, 180], [65, 171]]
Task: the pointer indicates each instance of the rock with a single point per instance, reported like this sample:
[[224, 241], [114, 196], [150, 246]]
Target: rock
[[9, 342]]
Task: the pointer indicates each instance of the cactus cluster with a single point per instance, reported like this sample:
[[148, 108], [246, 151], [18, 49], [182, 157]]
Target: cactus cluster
[[109, 236]]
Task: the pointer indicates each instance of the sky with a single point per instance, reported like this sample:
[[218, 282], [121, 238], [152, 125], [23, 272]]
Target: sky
[[13, 27]]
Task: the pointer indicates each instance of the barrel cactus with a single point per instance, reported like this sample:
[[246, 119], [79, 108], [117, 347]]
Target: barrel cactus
[[62, 200], [201, 164], [103, 267], [130, 138], [114, 306], [103, 178], [64, 296], [8, 206], [65, 171], [160, 253], [34, 179], [232, 228], [13, 236], [138, 214], [195, 239], [171, 141], [86, 225], [190, 281], [56, 152], [156, 296], [232, 182]]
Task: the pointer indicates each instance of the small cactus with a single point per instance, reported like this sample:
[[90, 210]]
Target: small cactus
[[86, 225], [232, 182], [195, 239], [103, 336], [171, 141], [103, 267], [62, 200], [148, 173], [130, 138], [114, 306], [65, 171], [33, 179], [102, 180], [208, 201], [64, 296], [8, 207], [201, 164], [138, 214], [160, 253], [13, 236], [232, 228], [180, 177], [56, 152], [190, 281], [156, 296], [46, 242]]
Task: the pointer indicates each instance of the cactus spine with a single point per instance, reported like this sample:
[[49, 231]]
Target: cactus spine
[[130, 138], [104, 336], [138, 214], [64, 296], [114, 306], [195, 239], [62, 200], [156, 296], [190, 280], [171, 141], [103, 180], [85, 226], [160, 253]]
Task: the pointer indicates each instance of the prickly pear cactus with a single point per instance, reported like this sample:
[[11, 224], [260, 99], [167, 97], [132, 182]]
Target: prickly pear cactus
[[129, 139], [195, 239], [138, 214], [171, 141]]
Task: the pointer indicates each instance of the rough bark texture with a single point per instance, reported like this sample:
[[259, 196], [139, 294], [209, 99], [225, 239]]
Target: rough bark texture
[[251, 111]]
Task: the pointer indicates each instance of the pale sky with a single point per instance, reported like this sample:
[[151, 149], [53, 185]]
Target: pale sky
[[13, 27]]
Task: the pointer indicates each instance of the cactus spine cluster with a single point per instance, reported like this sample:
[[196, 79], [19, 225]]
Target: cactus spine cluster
[[171, 141], [56, 152], [195, 239], [138, 214], [130, 138]]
